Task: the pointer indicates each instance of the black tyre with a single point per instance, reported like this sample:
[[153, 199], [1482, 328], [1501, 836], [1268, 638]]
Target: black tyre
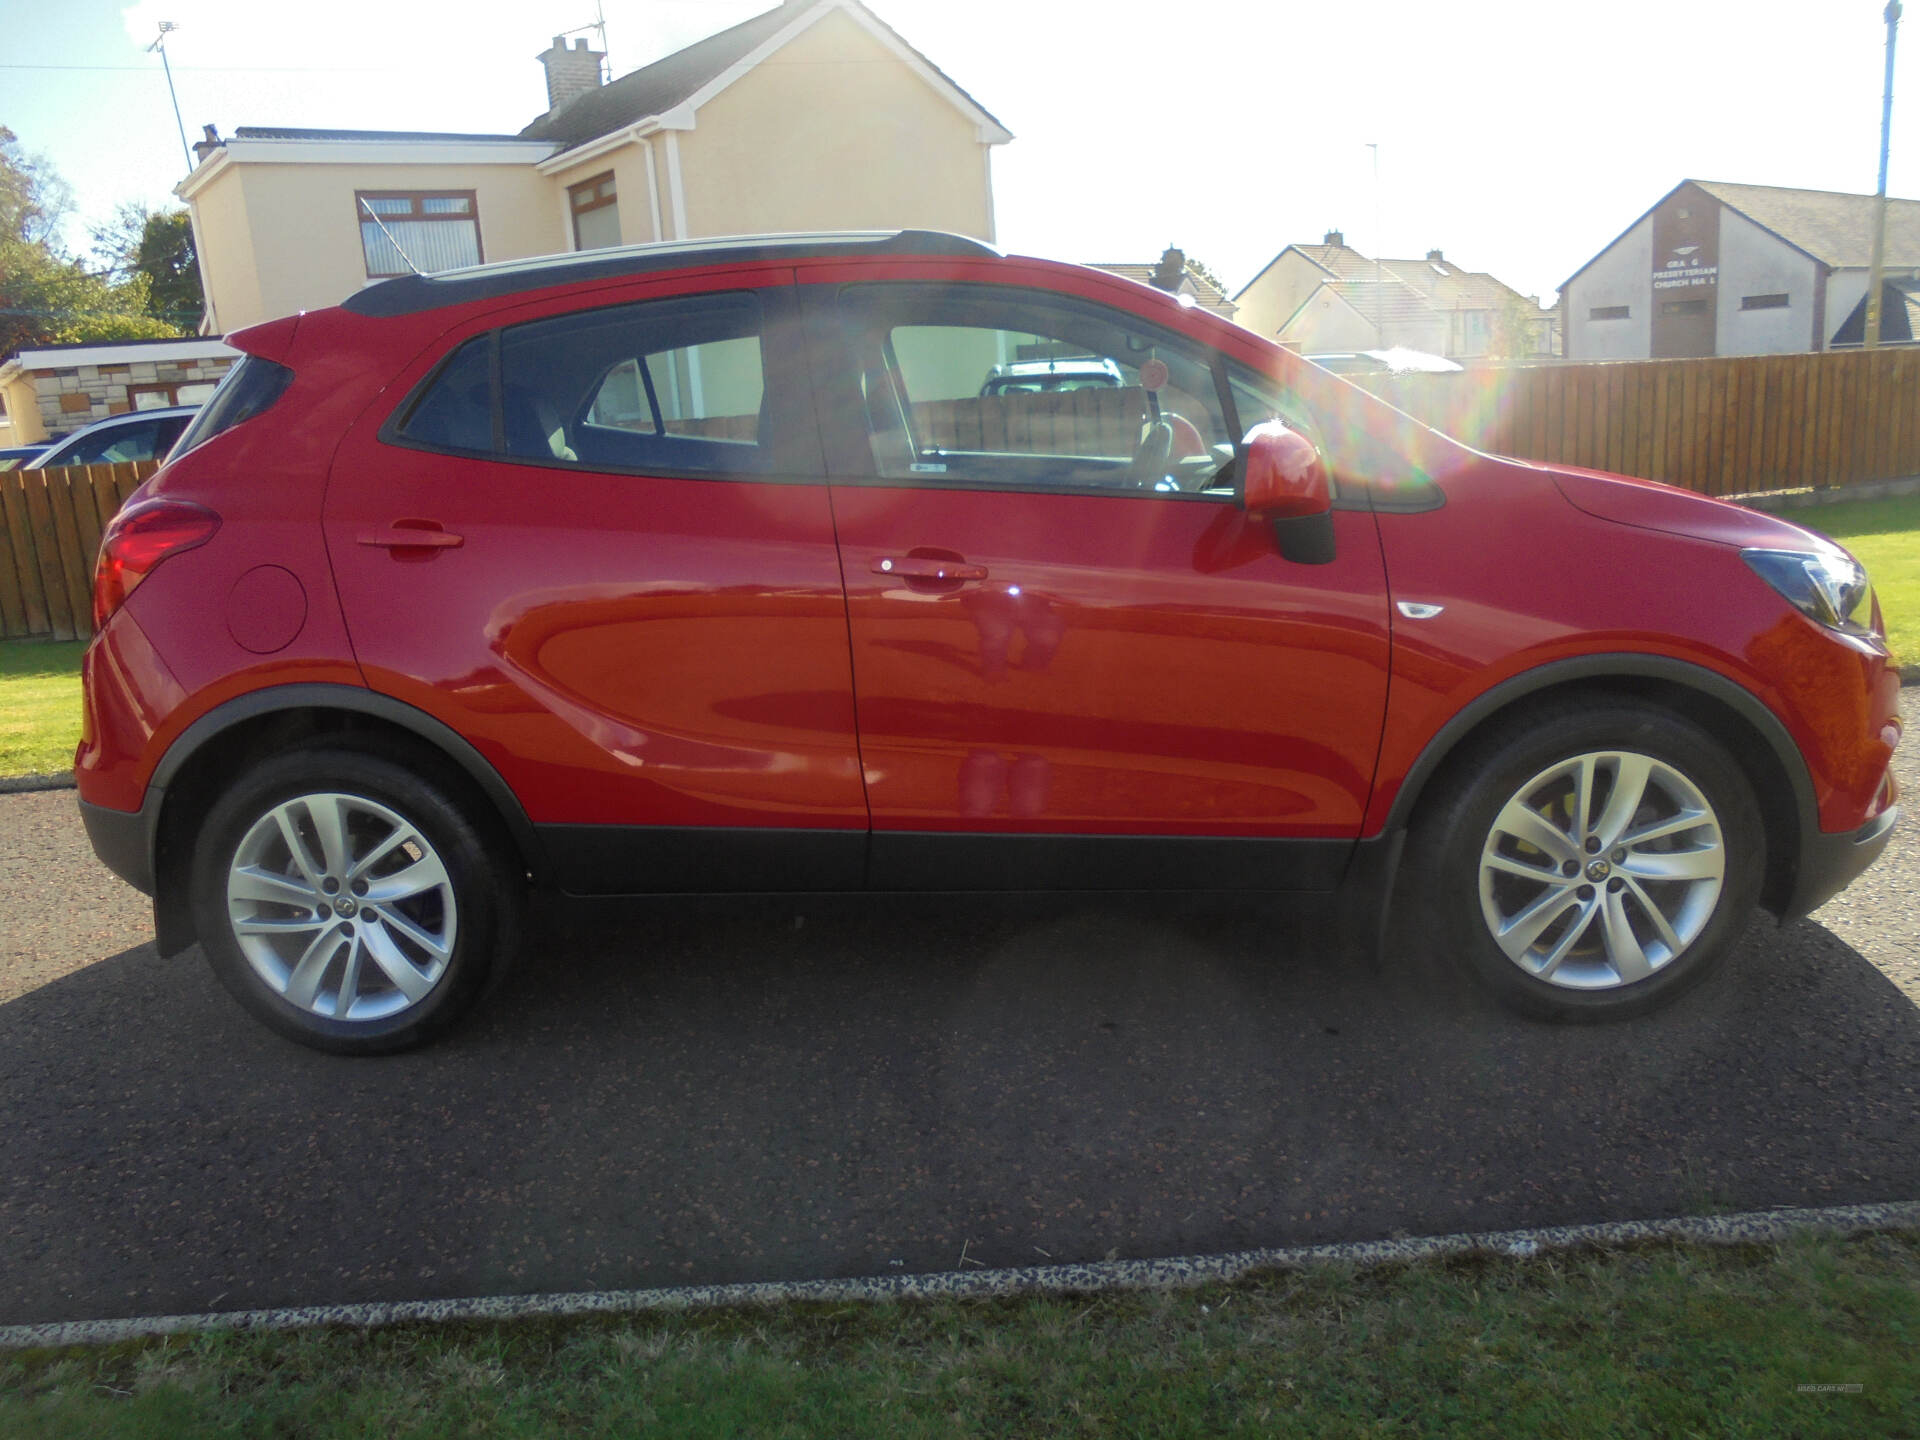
[[352, 904], [1591, 860]]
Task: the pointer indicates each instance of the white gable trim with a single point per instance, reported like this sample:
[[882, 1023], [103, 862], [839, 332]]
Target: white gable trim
[[633, 134], [988, 130]]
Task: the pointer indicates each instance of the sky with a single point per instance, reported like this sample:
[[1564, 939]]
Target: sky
[[1519, 138]]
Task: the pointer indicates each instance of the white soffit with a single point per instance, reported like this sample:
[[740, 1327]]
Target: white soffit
[[370, 151], [109, 354]]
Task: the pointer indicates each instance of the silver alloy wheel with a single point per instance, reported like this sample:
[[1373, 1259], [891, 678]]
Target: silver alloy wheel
[[342, 907], [1601, 870]]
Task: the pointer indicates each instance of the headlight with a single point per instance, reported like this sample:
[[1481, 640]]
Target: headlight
[[1827, 586]]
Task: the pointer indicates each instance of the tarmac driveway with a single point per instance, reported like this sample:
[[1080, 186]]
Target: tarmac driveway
[[685, 1092]]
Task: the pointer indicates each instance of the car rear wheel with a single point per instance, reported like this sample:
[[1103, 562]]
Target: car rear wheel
[[1591, 862], [350, 903]]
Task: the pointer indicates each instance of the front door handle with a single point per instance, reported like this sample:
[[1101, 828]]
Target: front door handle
[[412, 535], [920, 567]]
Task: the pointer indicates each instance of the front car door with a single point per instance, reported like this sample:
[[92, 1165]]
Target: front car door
[[1077, 662], [596, 541]]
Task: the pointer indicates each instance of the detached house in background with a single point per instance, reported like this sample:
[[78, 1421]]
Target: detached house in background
[[812, 116], [1329, 297], [1717, 269], [1176, 276]]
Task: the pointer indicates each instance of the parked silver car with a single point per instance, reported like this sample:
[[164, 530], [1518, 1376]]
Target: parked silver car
[[137, 435]]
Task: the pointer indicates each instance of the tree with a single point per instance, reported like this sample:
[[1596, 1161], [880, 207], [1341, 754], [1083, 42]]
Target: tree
[[1205, 272], [157, 244], [33, 200], [1519, 330], [46, 297]]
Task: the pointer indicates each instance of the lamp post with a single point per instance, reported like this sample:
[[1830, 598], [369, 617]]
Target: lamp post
[[160, 44], [1379, 266], [1871, 340]]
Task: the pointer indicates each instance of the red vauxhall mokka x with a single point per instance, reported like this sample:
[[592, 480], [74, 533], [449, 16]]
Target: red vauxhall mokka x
[[889, 562]]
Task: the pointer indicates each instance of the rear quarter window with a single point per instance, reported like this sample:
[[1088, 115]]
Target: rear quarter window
[[248, 389], [455, 411]]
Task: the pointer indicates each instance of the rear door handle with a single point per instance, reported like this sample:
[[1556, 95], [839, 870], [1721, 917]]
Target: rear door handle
[[412, 535], [916, 567]]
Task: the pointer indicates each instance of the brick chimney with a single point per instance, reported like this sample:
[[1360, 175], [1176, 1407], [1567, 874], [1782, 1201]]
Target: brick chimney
[[203, 148], [1334, 237], [570, 73], [1171, 270], [1436, 257]]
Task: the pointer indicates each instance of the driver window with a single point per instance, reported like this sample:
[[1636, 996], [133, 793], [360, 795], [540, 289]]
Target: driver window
[[1012, 390]]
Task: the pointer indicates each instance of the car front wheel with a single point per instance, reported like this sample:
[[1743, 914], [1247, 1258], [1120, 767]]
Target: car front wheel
[[1592, 861]]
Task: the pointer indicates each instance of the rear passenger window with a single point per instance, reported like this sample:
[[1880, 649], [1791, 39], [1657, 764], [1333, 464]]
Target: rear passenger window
[[456, 411], [674, 385]]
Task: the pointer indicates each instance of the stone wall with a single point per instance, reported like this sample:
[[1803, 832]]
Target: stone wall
[[75, 397]]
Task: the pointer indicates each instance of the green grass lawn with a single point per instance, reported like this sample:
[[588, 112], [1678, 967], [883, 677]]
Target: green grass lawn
[[1813, 1338], [1885, 535], [39, 705]]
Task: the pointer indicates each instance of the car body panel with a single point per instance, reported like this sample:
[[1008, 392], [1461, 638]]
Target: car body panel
[[1559, 583], [666, 672], [624, 648], [1130, 664]]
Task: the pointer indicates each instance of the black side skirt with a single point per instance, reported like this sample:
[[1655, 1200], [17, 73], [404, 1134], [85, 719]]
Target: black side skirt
[[656, 860]]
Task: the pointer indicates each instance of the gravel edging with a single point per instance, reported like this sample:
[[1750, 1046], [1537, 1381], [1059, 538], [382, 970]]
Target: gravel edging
[[19, 784], [1807, 497], [1752, 1227]]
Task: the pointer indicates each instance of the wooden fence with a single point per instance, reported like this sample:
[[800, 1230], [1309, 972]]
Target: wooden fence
[[1721, 426], [50, 524], [1093, 421]]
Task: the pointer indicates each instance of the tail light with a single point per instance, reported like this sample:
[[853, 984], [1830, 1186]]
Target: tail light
[[139, 538]]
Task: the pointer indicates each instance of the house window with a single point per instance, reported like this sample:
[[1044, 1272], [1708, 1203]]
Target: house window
[[1683, 307], [1763, 302], [596, 213], [1610, 312], [158, 397], [434, 230]]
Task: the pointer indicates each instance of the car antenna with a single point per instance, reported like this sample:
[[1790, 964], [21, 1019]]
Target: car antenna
[[398, 248]]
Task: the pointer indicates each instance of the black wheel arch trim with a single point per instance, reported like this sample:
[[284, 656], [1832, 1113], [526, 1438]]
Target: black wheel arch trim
[[1610, 666], [279, 699]]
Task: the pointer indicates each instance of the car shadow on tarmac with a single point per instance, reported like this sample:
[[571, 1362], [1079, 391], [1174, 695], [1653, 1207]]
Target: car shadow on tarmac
[[674, 1092]]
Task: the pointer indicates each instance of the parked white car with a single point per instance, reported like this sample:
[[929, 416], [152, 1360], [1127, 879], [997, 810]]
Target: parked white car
[[137, 435]]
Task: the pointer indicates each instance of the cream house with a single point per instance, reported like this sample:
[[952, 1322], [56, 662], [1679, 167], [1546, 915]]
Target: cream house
[[1330, 297], [849, 128]]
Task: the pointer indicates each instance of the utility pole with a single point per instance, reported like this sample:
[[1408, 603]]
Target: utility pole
[[1877, 265], [1379, 270], [160, 44]]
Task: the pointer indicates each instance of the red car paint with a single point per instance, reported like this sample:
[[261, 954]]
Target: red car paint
[[637, 650]]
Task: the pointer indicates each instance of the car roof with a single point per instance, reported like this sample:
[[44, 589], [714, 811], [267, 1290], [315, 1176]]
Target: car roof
[[128, 417], [410, 294]]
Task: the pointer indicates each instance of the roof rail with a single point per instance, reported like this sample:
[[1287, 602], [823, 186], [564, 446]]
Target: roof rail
[[410, 294]]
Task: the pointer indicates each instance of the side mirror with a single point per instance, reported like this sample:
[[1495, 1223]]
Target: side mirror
[[1285, 477], [1286, 482]]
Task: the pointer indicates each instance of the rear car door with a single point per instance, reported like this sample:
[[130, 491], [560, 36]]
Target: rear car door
[[1077, 662], [596, 541]]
